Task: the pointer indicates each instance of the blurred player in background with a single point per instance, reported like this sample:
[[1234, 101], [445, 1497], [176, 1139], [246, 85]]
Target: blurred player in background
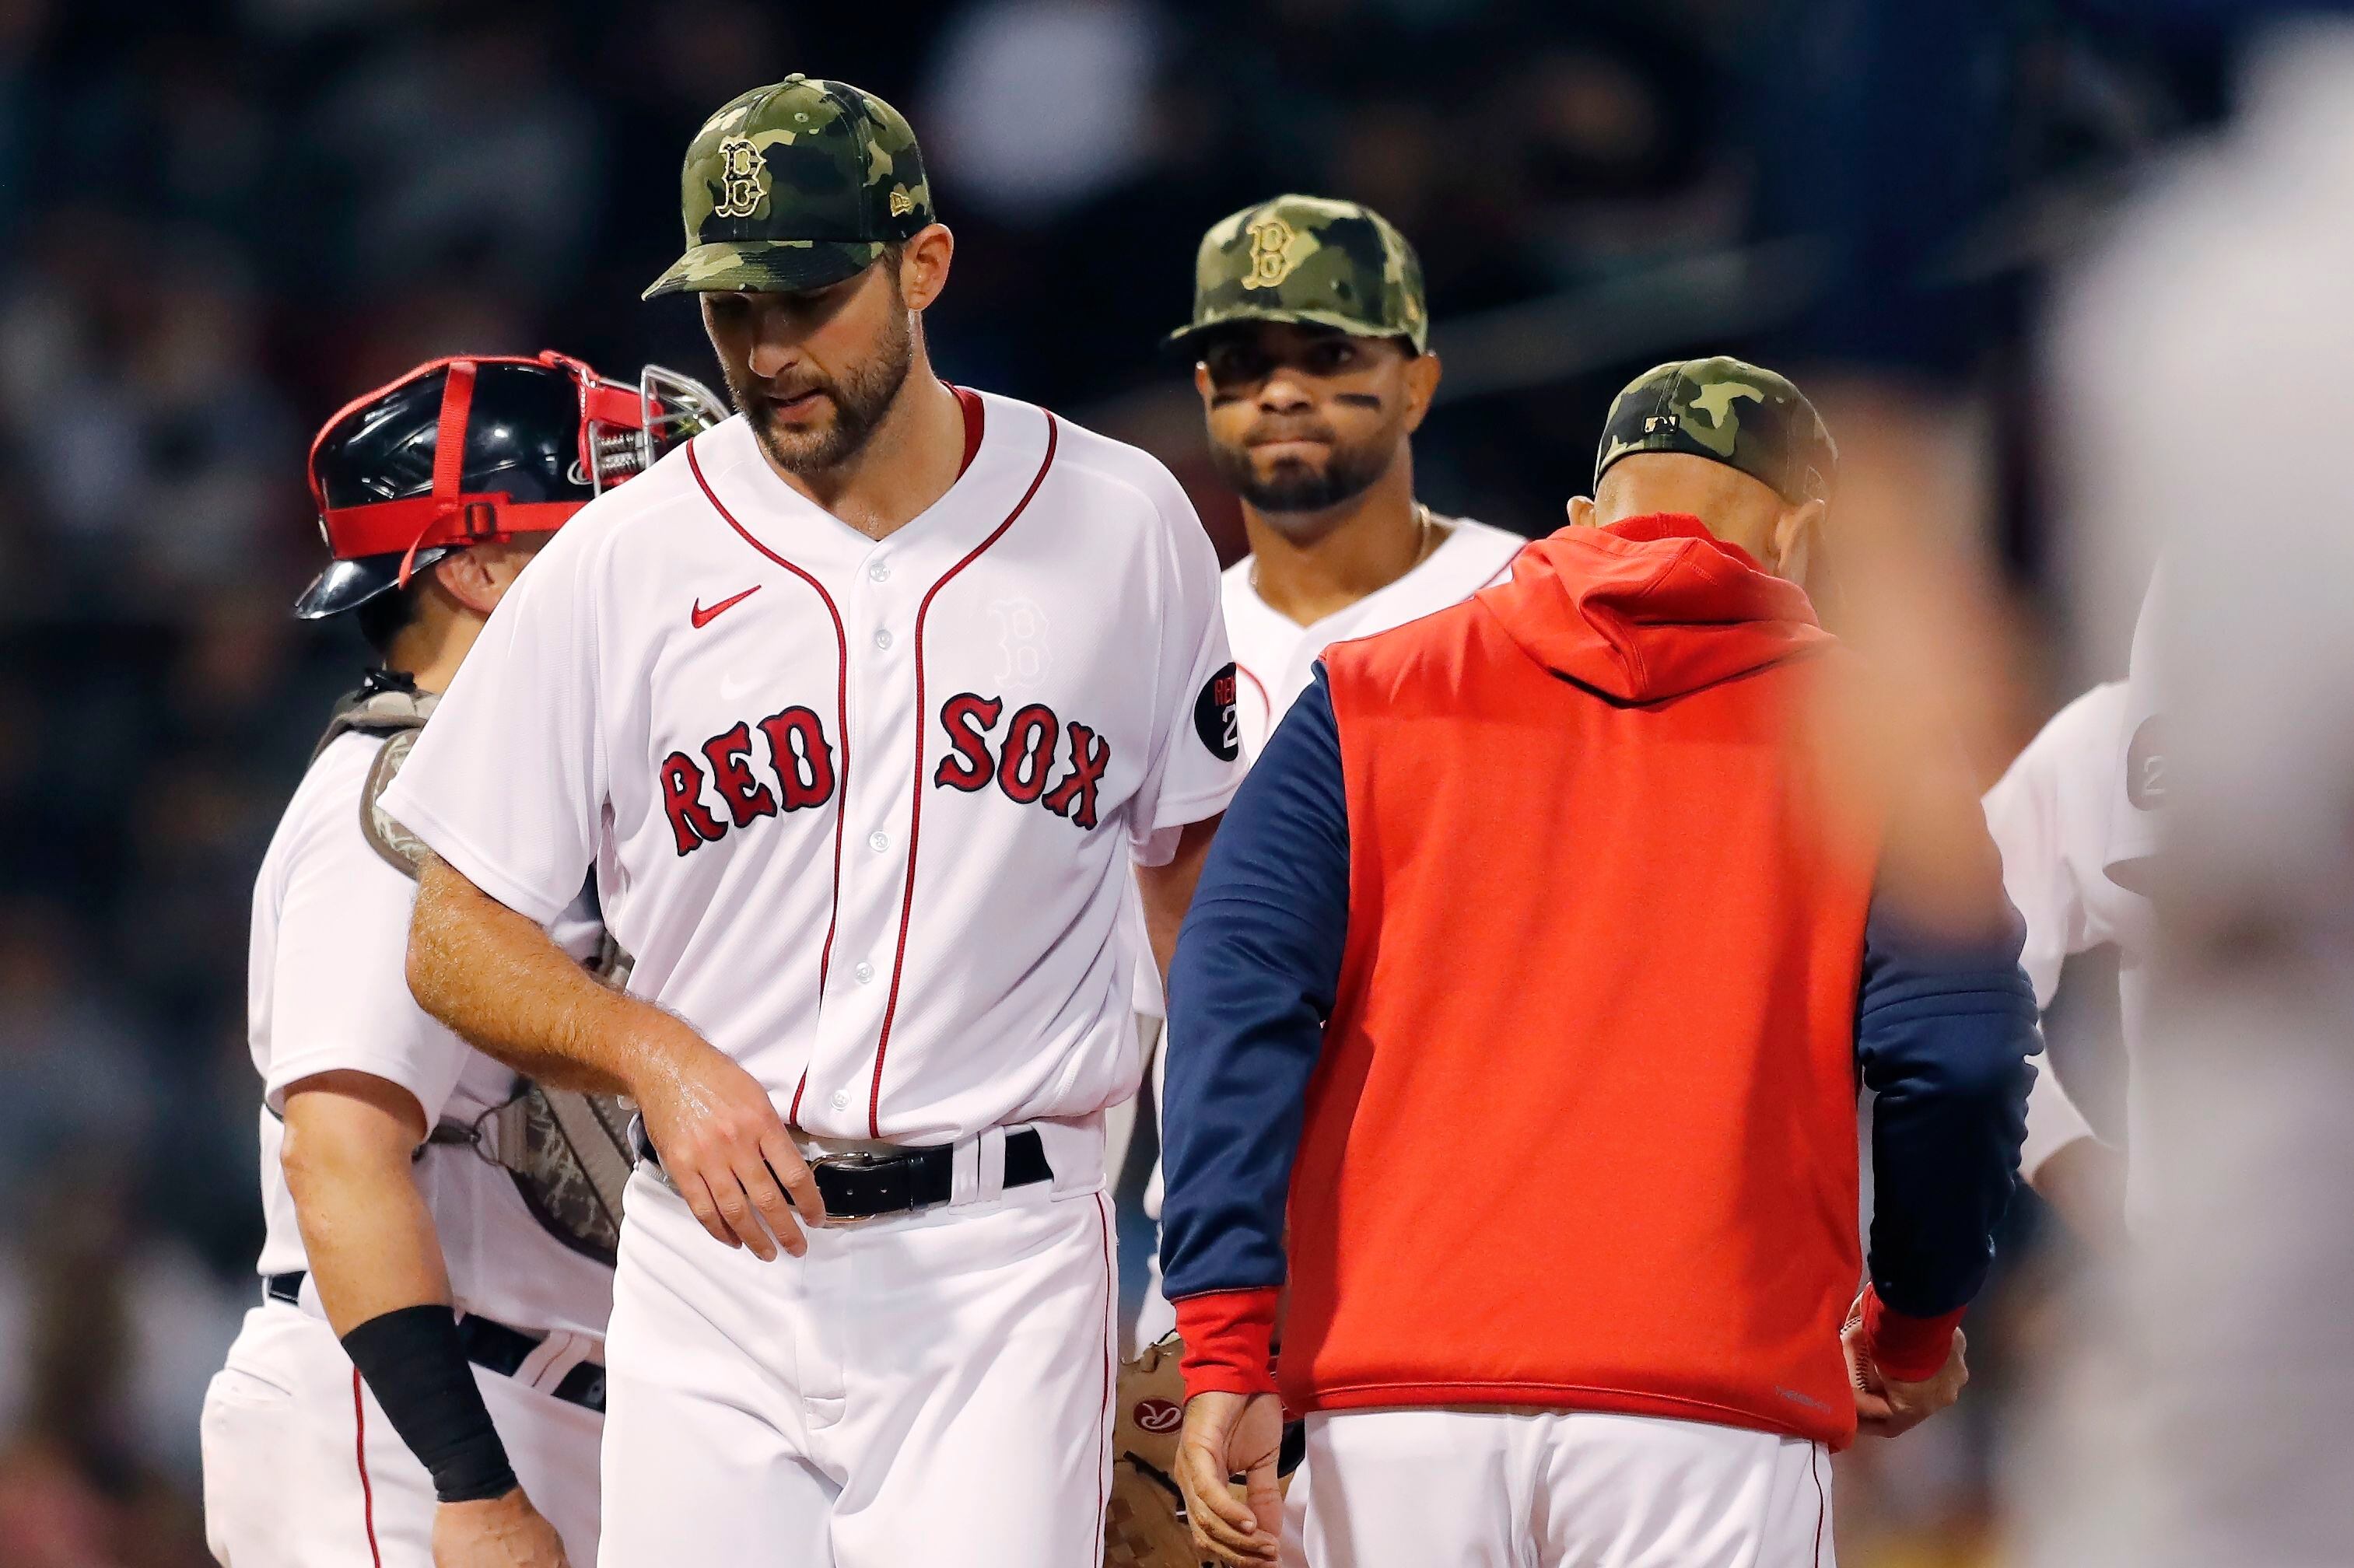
[[1570, 1235], [2199, 360], [1311, 344], [2074, 816], [452, 1225]]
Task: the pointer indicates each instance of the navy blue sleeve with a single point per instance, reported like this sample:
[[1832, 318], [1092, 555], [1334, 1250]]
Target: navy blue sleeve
[[1943, 1033], [1258, 961]]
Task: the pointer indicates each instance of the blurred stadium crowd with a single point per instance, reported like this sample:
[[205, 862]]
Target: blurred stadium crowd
[[221, 219]]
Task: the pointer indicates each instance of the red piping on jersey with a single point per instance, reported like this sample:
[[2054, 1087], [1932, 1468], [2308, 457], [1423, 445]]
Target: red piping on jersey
[[840, 728], [367, 1493], [1822, 1503], [1264, 701], [1111, 1359], [916, 809]]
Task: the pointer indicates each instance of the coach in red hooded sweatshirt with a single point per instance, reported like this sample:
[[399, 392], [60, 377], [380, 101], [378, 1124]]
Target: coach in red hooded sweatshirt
[[1532, 977]]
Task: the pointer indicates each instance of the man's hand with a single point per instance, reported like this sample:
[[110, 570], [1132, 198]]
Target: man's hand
[[723, 1145], [1227, 1435], [497, 1532], [1885, 1407]]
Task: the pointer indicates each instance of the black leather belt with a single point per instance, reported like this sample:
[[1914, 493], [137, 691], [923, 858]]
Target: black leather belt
[[866, 1186], [490, 1345]]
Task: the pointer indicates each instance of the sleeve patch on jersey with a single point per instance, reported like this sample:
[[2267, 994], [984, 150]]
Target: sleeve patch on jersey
[[1214, 716]]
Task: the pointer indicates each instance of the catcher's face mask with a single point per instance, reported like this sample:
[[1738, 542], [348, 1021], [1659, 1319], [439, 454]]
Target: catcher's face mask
[[530, 470]]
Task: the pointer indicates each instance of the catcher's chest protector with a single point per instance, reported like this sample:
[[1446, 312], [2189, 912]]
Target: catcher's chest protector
[[567, 1152]]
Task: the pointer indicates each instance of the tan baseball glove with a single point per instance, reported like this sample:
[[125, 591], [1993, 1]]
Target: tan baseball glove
[[1145, 1525]]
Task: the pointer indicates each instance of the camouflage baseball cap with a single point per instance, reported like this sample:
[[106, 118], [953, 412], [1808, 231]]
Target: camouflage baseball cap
[[1730, 410], [1312, 261], [795, 186]]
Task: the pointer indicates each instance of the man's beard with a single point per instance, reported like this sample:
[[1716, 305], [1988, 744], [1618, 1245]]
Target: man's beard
[[860, 398], [1349, 472]]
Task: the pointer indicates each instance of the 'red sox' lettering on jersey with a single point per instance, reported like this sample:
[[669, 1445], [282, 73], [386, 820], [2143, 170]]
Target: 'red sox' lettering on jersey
[[1023, 763], [799, 759]]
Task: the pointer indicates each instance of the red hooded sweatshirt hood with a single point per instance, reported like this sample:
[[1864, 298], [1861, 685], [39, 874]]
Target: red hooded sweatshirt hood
[[1652, 608]]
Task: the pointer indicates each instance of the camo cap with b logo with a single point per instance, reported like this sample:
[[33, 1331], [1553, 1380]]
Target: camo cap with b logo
[[1309, 260], [796, 185], [1728, 410]]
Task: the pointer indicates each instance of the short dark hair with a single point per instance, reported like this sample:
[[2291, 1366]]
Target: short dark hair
[[388, 614]]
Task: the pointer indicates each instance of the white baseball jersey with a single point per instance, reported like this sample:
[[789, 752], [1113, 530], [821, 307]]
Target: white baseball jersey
[[863, 811], [1274, 655], [300, 1465], [327, 991], [2051, 817]]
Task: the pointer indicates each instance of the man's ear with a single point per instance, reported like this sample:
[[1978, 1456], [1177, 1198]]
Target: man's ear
[[924, 265], [1796, 534], [1422, 374], [464, 578], [1203, 384], [1581, 512]]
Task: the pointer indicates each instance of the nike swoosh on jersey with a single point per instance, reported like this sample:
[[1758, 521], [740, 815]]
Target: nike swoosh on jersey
[[703, 618]]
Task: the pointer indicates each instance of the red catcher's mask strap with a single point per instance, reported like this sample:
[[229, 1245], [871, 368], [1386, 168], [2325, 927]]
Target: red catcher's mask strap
[[419, 522], [450, 437], [449, 454]]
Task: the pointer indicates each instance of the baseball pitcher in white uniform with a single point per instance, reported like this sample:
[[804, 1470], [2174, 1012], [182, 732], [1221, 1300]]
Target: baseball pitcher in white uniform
[[861, 706], [421, 1381]]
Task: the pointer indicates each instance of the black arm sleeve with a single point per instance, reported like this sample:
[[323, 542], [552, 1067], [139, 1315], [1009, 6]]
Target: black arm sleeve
[[417, 1368]]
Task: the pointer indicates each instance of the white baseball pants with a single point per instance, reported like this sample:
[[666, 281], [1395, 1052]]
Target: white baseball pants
[[1485, 1489], [302, 1471], [933, 1388]]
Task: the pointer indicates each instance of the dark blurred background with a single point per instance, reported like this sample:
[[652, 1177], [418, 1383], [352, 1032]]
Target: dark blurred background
[[218, 221]]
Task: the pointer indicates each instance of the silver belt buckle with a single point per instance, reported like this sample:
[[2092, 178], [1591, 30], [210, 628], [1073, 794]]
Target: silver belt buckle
[[854, 1161]]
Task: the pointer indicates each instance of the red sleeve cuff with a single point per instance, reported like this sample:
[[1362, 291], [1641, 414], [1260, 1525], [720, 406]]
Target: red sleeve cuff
[[1229, 1339], [1907, 1349]]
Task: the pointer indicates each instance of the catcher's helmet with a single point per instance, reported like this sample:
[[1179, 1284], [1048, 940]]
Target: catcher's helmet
[[466, 451]]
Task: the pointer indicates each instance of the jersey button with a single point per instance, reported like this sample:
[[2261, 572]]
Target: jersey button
[[879, 572], [882, 640], [878, 842], [863, 973], [841, 1100]]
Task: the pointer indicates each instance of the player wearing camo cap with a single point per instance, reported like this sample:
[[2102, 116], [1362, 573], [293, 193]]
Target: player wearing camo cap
[[872, 709], [1568, 1233], [1310, 347], [1310, 343], [1719, 439]]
